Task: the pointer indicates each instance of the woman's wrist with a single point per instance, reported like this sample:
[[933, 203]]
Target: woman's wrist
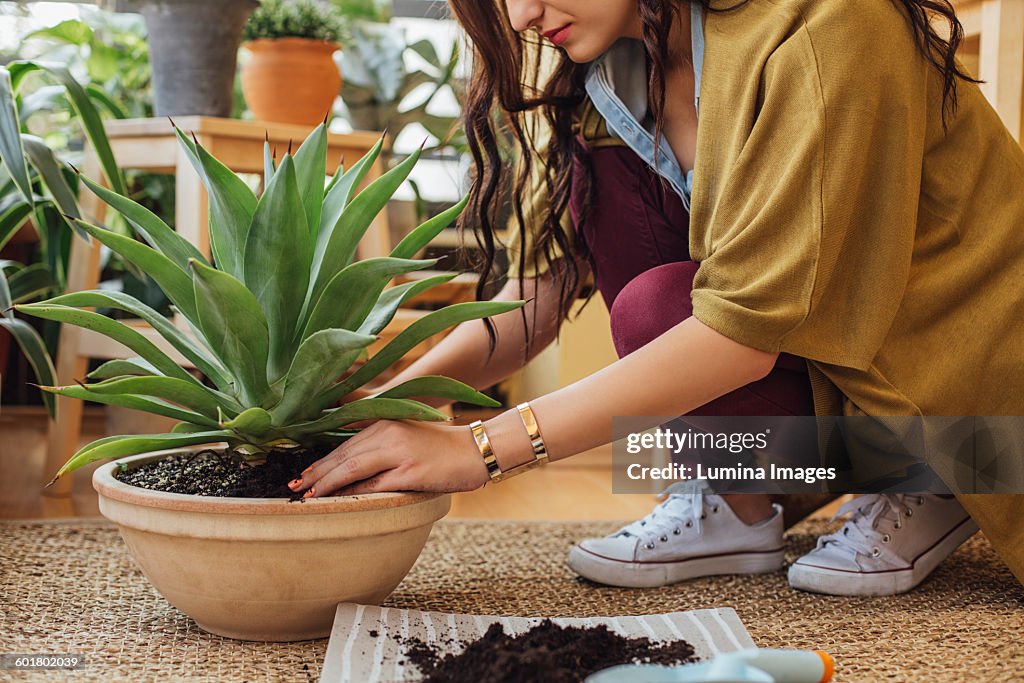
[[509, 439]]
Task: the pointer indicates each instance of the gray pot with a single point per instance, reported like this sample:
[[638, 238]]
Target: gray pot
[[193, 47]]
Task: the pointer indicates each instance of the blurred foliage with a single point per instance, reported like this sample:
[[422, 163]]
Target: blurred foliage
[[108, 53], [312, 19], [381, 92], [366, 10]]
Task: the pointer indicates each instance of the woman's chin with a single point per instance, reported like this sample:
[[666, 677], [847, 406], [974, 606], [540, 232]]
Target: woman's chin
[[581, 54]]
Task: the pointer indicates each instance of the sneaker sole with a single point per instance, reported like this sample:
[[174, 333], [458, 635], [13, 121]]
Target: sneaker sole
[[613, 572], [814, 579]]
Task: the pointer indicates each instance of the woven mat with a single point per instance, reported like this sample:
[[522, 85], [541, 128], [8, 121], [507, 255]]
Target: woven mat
[[70, 587]]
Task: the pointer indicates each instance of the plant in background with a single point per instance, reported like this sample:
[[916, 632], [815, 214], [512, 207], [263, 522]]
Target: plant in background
[[281, 313], [309, 19], [19, 284], [378, 84], [36, 185], [365, 10], [291, 46], [108, 53]]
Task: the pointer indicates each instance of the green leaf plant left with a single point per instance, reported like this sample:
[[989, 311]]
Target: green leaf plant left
[[283, 311], [34, 185]]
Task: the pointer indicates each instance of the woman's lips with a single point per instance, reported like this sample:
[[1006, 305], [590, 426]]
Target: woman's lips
[[559, 35]]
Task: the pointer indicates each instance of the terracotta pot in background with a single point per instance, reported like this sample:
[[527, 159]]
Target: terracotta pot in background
[[291, 80], [266, 568]]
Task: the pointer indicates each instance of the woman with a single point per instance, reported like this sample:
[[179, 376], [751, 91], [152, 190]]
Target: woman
[[850, 234]]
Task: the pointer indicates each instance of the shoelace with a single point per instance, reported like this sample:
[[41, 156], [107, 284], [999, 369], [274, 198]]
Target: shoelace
[[859, 534], [683, 506]]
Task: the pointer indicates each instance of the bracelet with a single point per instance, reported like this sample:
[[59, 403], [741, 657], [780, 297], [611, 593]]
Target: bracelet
[[540, 452], [484, 445]]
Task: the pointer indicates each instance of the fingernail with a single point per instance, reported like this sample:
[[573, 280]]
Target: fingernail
[[307, 469], [311, 492], [294, 483]]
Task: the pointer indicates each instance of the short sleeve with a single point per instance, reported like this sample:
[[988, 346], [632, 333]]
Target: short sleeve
[[805, 246]]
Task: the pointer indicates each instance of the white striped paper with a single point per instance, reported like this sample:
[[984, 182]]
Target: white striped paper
[[354, 656]]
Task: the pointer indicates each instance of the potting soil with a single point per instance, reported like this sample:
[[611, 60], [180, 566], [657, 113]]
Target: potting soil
[[224, 474], [547, 652]]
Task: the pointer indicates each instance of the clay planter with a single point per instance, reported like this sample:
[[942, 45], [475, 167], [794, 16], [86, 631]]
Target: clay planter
[[291, 80], [263, 568]]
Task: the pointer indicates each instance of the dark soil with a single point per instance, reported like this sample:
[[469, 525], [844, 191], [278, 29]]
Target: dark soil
[[224, 474], [547, 652]]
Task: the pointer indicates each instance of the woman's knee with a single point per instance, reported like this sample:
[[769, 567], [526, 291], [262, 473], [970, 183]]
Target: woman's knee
[[651, 304]]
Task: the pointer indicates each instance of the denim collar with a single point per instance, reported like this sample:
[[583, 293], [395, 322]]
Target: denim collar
[[617, 85]]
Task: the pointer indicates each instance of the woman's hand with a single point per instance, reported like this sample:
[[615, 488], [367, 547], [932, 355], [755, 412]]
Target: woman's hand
[[398, 455]]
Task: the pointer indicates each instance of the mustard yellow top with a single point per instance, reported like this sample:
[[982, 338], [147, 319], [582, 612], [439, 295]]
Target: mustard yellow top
[[834, 219]]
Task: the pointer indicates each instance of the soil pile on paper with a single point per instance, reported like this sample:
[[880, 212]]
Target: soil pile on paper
[[224, 474], [547, 652]]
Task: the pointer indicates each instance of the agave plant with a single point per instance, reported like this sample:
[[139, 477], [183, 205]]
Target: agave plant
[[279, 316]]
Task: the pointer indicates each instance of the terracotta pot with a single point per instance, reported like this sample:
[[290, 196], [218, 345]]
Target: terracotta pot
[[268, 569], [291, 80]]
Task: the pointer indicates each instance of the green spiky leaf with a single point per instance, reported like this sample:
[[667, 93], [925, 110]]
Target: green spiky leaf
[[174, 282], [341, 244], [368, 409], [175, 337], [132, 401], [121, 446], [124, 367], [149, 226], [353, 292], [233, 324], [439, 387], [119, 332], [278, 253], [389, 302], [319, 362], [417, 332], [232, 205], [310, 170], [422, 235]]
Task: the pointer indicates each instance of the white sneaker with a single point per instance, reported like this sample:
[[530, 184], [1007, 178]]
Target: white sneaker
[[690, 534], [890, 544]]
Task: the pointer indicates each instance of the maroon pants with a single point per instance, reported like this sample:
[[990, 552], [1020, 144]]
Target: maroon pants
[[638, 232]]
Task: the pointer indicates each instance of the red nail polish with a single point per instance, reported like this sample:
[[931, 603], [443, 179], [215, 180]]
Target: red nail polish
[[294, 483], [311, 492]]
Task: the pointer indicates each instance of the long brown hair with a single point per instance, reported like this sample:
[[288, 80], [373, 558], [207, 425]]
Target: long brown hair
[[499, 97]]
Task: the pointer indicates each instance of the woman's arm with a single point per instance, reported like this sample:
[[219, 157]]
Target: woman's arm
[[684, 368], [462, 354]]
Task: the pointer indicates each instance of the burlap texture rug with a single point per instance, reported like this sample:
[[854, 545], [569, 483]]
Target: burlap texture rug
[[70, 587]]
